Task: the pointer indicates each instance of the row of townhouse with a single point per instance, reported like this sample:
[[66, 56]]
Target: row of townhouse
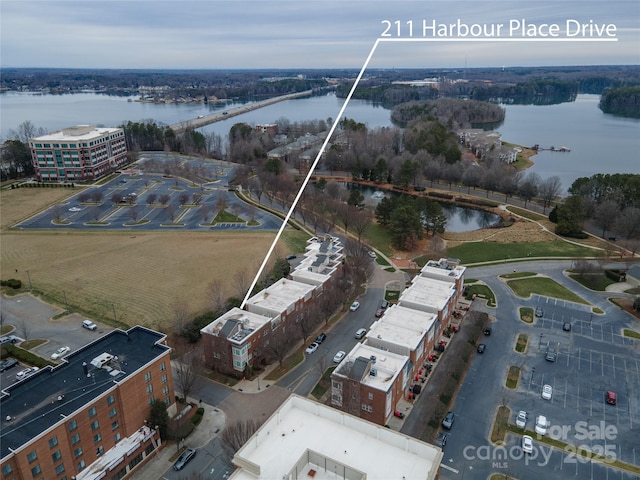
[[382, 370], [487, 143], [251, 337]]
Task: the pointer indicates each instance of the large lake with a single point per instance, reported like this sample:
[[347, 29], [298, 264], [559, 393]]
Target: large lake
[[599, 143]]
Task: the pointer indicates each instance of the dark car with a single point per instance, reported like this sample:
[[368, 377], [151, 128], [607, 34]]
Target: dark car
[[481, 348], [321, 338], [384, 304], [186, 456], [487, 331], [551, 355], [539, 312], [566, 326], [290, 257], [441, 441], [447, 422], [7, 364]]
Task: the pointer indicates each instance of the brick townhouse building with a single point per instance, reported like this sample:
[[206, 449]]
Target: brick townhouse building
[[86, 418]]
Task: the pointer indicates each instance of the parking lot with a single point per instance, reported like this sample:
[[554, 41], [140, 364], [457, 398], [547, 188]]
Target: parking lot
[[39, 321], [592, 357], [147, 201]]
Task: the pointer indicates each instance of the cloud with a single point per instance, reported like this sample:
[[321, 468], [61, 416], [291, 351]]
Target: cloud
[[288, 34]]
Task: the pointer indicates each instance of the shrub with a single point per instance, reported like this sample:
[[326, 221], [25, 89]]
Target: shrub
[[12, 283], [26, 356]]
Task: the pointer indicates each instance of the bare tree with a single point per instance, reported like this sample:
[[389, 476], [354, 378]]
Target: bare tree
[[171, 212], [280, 346], [181, 315], [96, 196], [24, 328], [164, 198], [95, 213], [186, 374], [151, 198], [116, 198], [205, 211], [196, 198], [605, 215], [133, 213], [57, 213], [184, 198], [359, 264], [361, 222], [216, 295], [241, 281], [26, 130], [238, 433], [548, 190]]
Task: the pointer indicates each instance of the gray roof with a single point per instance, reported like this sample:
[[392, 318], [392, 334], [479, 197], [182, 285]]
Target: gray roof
[[53, 393], [359, 368], [634, 272]]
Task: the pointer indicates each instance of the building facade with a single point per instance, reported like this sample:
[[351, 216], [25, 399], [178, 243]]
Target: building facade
[[86, 418], [78, 153]]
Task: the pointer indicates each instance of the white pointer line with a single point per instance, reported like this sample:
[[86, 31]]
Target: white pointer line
[[311, 170]]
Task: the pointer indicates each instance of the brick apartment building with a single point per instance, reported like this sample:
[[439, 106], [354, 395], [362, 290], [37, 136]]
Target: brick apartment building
[[78, 153], [241, 338], [86, 418], [377, 374]]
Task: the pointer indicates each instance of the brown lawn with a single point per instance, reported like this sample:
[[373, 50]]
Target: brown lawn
[[141, 274]]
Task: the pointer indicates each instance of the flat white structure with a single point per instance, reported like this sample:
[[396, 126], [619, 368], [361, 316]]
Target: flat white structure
[[443, 270], [428, 295], [280, 298], [402, 330], [236, 325], [306, 440]]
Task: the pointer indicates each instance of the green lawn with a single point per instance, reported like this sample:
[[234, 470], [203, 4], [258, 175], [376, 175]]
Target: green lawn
[[378, 237], [481, 291], [526, 314], [526, 213], [525, 287], [631, 333], [598, 282], [474, 252]]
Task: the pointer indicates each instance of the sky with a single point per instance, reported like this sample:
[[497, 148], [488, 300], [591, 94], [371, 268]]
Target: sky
[[288, 34]]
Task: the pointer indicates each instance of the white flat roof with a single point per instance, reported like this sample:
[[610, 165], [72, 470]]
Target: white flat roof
[[250, 320], [82, 132], [303, 435], [313, 278], [443, 270], [402, 326], [428, 292], [281, 295], [388, 365]]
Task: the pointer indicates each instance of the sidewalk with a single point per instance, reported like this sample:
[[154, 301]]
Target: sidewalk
[[211, 425]]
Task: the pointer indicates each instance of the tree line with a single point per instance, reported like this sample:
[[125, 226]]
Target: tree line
[[621, 101]]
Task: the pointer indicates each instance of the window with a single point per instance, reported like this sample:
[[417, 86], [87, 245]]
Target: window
[[112, 413], [92, 412], [99, 450], [73, 425], [367, 408], [147, 376], [6, 470], [55, 456], [77, 452], [165, 390], [164, 378], [114, 425], [81, 465], [117, 437], [32, 456], [163, 367], [53, 442], [95, 425], [149, 388], [110, 400], [75, 439], [36, 470], [167, 401], [151, 400], [60, 469], [370, 396], [97, 437]]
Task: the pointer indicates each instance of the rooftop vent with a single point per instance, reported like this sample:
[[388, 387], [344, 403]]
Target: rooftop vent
[[373, 372]]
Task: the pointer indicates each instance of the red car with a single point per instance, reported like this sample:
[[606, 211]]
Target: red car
[[379, 313]]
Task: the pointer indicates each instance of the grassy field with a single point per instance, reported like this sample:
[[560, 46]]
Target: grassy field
[[474, 252], [139, 274], [545, 286]]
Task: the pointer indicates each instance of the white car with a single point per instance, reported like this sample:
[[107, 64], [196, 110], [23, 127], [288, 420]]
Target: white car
[[75, 209], [372, 254], [521, 419], [59, 353], [22, 374], [339, 357], [311, 348], [354, 306], [89, 325], [541, 425], [547, 391], [527, 444]]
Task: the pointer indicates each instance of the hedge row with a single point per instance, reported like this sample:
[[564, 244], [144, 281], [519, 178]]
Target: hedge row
[[440, 195], [26, 356], [12, 283], [42, 185]]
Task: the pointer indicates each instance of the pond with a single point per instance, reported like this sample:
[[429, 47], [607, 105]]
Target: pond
[[459, 219]]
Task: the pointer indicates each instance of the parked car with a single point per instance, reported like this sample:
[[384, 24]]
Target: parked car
[[487, 331], [550, 355], [7, 364], [539, 312], [447, 422], [481, 348], [339, 357], [541, 425], [354, 306], [384, 304], [611, 397], [379, 312], [89, 325], [9, 339], [290, 257], [441, 440], [547, 392], [311, 348], [527, 444], [360, 333], [59, 353], [186, 456], [566, 326], [372, 254], [321, 338], [22, 374], [521, 419]]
